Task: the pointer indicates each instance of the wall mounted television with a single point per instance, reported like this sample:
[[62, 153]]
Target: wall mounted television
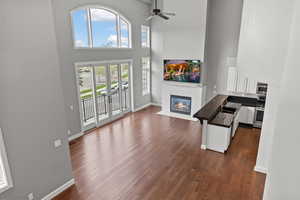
[[186, 71]]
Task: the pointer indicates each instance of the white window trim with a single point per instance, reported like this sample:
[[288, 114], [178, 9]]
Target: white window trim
[[90, 31], [106, 62], [4, 164], [148, 77], [148, 37]]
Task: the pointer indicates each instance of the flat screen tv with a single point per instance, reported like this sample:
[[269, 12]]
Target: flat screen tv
[[186, 71]]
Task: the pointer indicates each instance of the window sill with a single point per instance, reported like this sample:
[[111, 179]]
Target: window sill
[[4, 187], [101, 48]]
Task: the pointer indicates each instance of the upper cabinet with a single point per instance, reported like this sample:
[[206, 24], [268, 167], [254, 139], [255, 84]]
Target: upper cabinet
[[238, 82], [241, 83], [232, 79], [251, 86]]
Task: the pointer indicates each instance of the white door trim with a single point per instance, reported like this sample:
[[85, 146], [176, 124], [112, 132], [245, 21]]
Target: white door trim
[[106, 63]]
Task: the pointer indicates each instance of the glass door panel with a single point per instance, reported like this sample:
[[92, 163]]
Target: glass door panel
[[115, 97], [104, 92], [101, 85], [125, 86], [87, 98]]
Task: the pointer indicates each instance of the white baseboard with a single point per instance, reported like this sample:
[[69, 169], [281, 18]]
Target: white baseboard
[[59, 190], [156, 104], [142, 107], [175, 115], [261, 169], [75, 136], [203, 147]]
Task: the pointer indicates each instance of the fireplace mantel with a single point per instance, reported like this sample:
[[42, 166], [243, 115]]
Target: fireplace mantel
[[195, 91]]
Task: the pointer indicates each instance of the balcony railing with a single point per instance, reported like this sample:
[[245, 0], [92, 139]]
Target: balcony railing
[[102, 100]]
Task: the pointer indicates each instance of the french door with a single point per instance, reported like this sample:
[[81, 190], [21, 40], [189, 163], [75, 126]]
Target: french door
[[104, 92]]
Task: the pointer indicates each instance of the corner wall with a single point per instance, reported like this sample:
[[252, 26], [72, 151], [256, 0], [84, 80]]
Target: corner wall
[[222, 39], [262, 55], [283, 175], [31, 101]]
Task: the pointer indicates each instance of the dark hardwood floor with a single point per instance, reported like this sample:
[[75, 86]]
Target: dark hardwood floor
[[145, 156]]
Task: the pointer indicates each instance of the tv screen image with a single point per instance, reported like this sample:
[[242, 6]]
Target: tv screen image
[[188, 71]]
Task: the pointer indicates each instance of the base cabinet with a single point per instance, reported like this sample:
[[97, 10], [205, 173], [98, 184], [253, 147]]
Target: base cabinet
[[235, 124], [246, 115], [218, 138]]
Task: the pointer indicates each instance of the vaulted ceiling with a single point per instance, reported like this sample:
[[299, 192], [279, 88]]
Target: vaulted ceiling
[[146, 1]]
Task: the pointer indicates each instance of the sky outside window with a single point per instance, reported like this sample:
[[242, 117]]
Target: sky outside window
[[99, 27], [80, 28], [104, 25]]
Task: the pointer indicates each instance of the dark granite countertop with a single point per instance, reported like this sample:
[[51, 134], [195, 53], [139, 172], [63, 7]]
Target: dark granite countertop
[[222, 119], [211, 108]]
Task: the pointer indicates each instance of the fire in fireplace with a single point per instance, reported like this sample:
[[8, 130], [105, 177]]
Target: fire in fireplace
[[180, 104]]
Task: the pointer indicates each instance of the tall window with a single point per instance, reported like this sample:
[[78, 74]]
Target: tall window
[[100, 28], [146, 75], [145, 36], [5, 178]]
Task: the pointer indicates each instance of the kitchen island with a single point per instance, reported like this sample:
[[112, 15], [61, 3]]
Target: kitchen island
[[220, 118]]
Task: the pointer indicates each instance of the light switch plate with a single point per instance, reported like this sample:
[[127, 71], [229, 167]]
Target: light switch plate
[[57, 143]]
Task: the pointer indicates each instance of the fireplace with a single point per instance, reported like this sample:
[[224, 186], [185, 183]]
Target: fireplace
[[180, 104]]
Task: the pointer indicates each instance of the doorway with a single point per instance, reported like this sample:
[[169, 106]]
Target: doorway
[[104, 91]]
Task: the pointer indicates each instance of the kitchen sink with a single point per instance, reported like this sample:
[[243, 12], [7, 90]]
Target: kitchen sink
[[228, 110]]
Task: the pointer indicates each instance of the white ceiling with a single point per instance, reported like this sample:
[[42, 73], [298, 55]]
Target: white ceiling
[[146, 1]]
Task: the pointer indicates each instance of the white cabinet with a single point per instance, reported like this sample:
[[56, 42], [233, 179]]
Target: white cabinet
[[231, 79], [246, 115], [218, 138], [236, 123], [241, 83], [251, 86], [251, 113], [237, 82]]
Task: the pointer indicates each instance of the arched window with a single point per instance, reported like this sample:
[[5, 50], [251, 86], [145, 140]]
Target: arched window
[[95, 27]]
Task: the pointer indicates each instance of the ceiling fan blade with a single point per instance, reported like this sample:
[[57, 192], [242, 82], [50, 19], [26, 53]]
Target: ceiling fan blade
[[163, 16], [149, 18], [168, 13]]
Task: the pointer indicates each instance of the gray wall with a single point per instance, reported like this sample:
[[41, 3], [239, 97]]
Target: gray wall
[[157, 51], [222, 38], [181, 37], [136, 12], [262, 55], [31, 102], [283, 176]]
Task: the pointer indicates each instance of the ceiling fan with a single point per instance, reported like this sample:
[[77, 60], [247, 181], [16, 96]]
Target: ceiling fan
[[158, 12]]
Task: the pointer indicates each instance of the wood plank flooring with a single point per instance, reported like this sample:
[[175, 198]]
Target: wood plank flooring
[[145, 156]]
